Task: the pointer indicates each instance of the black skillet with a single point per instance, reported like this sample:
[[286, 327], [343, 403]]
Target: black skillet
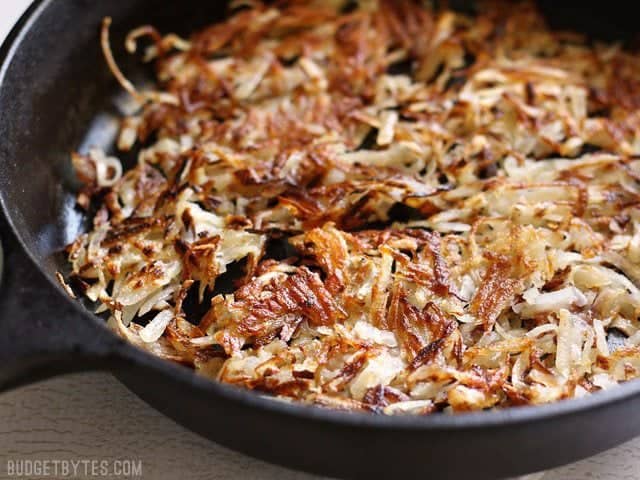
[[56, 94]]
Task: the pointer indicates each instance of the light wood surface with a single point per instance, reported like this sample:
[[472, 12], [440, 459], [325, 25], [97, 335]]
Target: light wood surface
[[92, 416]]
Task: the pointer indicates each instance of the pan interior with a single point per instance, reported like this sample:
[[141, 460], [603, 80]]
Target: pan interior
[[57, 95]]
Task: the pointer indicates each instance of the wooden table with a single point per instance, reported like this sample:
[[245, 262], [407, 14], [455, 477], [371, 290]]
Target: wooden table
[[92, 416]]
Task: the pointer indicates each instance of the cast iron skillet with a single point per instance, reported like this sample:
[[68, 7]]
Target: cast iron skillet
[[56, 95]]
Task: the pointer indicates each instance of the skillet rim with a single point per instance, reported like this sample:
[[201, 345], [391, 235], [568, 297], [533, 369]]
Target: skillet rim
[[512, 416]]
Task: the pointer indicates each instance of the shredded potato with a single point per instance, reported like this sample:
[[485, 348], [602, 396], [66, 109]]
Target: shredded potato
[[384, 208]]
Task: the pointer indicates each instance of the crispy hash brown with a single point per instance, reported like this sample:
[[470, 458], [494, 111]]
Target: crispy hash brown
[[375, 206]]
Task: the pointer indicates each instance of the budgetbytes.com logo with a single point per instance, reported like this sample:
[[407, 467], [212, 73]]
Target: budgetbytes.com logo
[[73, 468]]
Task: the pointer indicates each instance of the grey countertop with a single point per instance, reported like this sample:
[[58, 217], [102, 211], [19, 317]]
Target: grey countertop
[[92, 416]]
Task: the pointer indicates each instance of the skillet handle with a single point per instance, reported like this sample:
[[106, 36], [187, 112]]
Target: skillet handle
[[41, 333]]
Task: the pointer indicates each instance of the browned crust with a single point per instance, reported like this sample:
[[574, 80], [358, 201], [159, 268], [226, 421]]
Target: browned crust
[[426, 213]]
